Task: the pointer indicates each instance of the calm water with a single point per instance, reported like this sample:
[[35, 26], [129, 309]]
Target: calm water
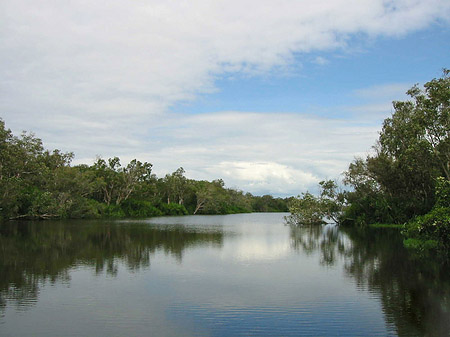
[[228, 275]]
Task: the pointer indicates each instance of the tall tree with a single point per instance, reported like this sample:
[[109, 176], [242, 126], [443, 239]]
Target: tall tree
[[175, 185], [413, 149], [117, 182]]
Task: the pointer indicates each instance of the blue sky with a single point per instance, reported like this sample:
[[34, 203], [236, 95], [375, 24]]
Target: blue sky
[[272, 98], [310, 87]]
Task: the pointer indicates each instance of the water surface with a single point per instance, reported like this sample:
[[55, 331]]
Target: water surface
[[233, 275]]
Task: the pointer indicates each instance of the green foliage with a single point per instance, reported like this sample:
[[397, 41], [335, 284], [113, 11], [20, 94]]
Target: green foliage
[[310, 210], [139, 209], [267, 203], [85, 208], [306, 210], [117, 183], [384, 225], [398, 182], [113, 211], [213, 198], [407, 180], [442, 192], [29, 187], [39, 184], [366, 207], [433, 226], [175, 186], [233, 209], [173, 209]]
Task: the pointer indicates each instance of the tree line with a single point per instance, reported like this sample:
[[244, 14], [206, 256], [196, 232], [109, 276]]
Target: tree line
[[405, 181], [36, 183]]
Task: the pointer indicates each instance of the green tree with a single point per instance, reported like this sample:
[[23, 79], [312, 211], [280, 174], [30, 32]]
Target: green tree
[[131, 176], [398, 182], [204, 193], [308, 209], [332, 200], [117, 182], [107, 175], [432, 230], [175, 186], [27, 176]]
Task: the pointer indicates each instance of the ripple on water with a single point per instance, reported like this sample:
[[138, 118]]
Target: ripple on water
[[323, 319]]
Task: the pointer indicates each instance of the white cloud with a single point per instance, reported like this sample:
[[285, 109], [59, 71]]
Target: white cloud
[[391, 91], [100, 77], [270, 177], [320, 60], [378, 100], [280, 153]]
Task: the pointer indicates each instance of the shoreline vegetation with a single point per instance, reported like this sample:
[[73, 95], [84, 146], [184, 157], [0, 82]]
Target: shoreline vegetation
[[405, 183], [38, 184], [384, 225]]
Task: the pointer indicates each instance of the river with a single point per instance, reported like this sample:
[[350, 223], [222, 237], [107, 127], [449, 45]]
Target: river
[[231, 275]]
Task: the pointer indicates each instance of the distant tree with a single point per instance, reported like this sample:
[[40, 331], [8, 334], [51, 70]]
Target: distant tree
[[131, 176], [204, 193], [117, 182], [175, 186], [107, 175], [38, 183]]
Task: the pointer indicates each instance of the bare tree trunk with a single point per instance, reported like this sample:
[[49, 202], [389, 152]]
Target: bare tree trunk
[[199, 206]]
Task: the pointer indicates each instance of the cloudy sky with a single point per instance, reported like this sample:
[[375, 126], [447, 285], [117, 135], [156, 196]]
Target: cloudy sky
[[271, 96]]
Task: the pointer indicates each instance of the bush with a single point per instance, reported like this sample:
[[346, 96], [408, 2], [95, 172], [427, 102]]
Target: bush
[[431, 232], [442, 192], [233, 209], [139, 209], [173, 209], [434, 226], [113, 211], [370, 208], [85, 208], [306, 210]]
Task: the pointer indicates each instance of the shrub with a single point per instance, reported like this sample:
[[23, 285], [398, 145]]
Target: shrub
[[434, 226], [113, 211], [85, 208], [140, 208], [173, 209], [306, 210]]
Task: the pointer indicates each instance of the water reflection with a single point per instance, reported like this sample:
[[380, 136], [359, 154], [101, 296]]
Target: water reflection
[[224, 275], [327, 240], [33, 253], [415, 294]]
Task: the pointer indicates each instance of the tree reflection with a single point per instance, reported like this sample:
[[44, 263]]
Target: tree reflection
[[415, 294], [326, 240], [35, 253]]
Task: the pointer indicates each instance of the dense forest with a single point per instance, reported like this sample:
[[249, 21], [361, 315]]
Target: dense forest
[[405, 181], [36, 183]]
